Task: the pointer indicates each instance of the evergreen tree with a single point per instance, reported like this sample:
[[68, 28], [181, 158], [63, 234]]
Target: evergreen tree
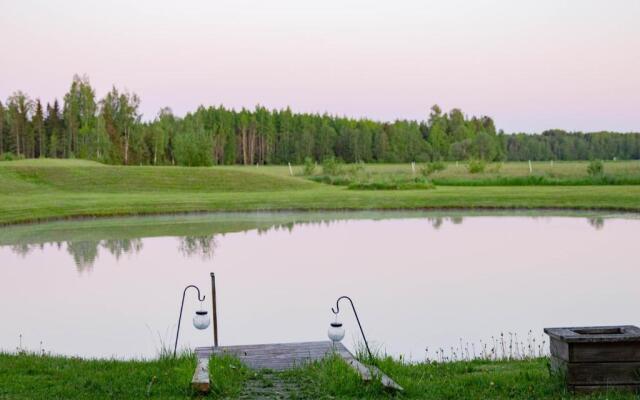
[[39, 130]]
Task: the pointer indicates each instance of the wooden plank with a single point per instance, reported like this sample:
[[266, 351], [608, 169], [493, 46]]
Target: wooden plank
[[559, 349], [200, 381], [625, 373], [367, 373], [604, 352], [585, 334], [283, 356], [275, 356], [587, 389], [558, 366], [370, 373]]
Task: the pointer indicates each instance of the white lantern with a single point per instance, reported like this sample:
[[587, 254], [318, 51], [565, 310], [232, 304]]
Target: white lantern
[[336, 332], [201, 320]]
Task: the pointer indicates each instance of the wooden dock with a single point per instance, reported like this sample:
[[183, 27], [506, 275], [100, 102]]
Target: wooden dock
[[283, 356]]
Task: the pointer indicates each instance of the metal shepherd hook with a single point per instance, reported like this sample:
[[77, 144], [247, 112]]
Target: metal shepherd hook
[[337, 310], [175, 348]]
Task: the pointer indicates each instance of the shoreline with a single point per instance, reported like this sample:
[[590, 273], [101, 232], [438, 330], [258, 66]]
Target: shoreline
[[503, 211]]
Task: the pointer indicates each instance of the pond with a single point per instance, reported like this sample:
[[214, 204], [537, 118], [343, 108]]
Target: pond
[[421, 281]]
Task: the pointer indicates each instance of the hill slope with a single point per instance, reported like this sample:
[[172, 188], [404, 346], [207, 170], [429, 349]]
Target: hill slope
[[29, 176]]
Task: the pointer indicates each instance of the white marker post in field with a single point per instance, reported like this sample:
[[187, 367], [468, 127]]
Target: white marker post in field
[[530, 167], [413, 167], [290, 170]]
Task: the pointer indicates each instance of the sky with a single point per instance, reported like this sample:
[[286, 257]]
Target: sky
[[530, 64]]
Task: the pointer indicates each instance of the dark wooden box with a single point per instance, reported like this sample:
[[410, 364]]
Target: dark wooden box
[[596, 357]]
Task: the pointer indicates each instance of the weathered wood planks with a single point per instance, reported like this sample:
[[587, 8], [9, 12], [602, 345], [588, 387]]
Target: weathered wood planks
[[283, 356], [596, 358]]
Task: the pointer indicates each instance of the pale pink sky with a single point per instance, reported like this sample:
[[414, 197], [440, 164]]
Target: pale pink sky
[[532, 65]]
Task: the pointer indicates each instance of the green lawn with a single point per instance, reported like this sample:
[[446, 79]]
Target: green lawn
[[45, 377], [33, 190]]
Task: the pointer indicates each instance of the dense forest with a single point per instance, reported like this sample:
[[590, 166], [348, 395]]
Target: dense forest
[[111, 130]]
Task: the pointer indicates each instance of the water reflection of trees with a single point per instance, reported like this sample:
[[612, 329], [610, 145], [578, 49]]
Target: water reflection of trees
[[118, 247], [24, 249], [85, 253], [596, 222], [203, 246]]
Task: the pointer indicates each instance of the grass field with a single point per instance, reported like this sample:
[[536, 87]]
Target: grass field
[[28, 376], [35, 190], [494, 174], [459, 170]]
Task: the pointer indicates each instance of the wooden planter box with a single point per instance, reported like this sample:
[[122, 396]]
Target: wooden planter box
[[597, 357]]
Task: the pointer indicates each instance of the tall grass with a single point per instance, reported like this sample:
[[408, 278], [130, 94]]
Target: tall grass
[[539, 180]]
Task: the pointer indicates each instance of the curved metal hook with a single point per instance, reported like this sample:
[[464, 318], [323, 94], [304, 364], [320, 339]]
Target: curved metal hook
[[337, 309], [355, 313], [195, 287], [184, 293]]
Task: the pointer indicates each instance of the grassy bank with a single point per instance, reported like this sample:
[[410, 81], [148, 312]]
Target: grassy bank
[[34, 190], [44, 377]]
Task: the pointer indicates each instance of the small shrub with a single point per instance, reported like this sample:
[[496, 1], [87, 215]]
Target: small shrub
[[392, 183], [331, 180], [9, 156], [496, 167], [432, 167], [476, 166], [595, 168], [331, 166], [309, 166], [356, 169]]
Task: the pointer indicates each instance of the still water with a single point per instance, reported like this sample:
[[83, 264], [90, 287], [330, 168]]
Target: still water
[[112, 287]]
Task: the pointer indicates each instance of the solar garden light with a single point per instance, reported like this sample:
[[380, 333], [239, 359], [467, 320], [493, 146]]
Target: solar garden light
[[200, 319], [336, 330]]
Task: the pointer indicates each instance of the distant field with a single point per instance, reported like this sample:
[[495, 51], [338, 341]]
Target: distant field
[[33, 190], [559, 169]]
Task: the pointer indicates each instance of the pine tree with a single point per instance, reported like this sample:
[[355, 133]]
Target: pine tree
[[39, 131]]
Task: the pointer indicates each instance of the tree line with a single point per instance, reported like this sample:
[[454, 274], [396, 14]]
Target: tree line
[[111, 130]]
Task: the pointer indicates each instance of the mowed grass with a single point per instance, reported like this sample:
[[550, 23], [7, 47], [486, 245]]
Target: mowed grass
[[84, 176], [34, 190]]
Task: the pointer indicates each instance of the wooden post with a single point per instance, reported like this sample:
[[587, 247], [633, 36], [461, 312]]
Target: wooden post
[[530, 167], [290, 170], [200, 381], [413, 167], [214, 310]]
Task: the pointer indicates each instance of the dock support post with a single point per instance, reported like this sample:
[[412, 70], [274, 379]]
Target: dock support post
[[214, 310]]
